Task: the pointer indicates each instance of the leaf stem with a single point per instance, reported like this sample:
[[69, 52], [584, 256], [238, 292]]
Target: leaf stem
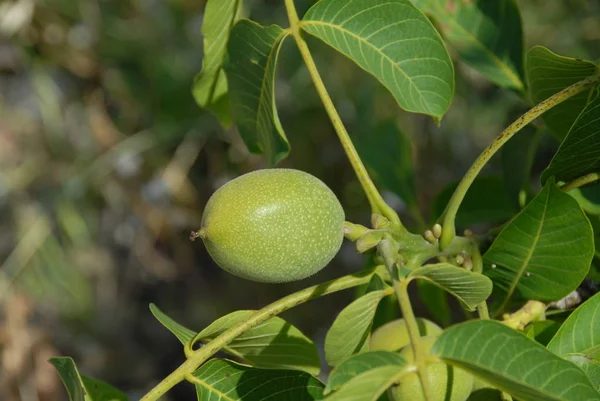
[[199, 356], [448, 217], [378, 205], [482, 308], [401, 287], [581, 181]]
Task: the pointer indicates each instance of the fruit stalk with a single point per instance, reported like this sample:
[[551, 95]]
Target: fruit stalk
[[377, 203], [448, 217], [401, 287], [199, 356]]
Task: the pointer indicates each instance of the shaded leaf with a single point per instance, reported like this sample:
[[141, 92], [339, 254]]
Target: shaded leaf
[[252, 54], [485, 394], [82, 388], [544, 330], [349, 333], [544, 252], [549, 73], [182, 333], [469, 288], [369, 385], [579, 153], [393, 41], [225, 380], [487, 201], [361, 363], [580, 333], [210, 85], [387, 152], [590, 367], [513, 363], [436, 301], [517, 160], [487, 35], [274, 343]]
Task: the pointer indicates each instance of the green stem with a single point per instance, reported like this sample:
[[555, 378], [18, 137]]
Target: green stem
[[581, 181], [199, 356], [449, 216], [482, 308], [401, 287], [377, 203]]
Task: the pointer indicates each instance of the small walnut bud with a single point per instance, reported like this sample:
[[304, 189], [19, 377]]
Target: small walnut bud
[[429, 236], [437, 231]]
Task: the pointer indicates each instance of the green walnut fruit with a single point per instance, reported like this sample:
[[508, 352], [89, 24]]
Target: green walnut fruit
[[447, 383], [273, 225], [393, 336]]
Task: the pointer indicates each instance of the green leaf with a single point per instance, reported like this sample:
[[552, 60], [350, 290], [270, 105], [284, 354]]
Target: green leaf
[[580, 333], [224, 380], [369, 385], [387, 153], [487, 35], [517, 160], [544, 252], [544, 330], [549, 73], [393, 41], [210, 85], [252, 54], [359, 364], [82, 388], [349, 333], [436, 301], [469, 288], [182, 333], [579, 153], [274, 343], [590, 367], [487, 201], [513, 363]]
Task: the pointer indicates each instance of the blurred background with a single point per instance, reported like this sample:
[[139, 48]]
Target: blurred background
[[106, 162]]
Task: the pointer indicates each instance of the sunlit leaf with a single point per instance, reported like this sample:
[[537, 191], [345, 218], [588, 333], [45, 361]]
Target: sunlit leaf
[[393, 41], [182, 333], [349, 333], [225, 380], [544, 252], [590, 367], [579, 153], [549, 73], [469, 288], [369, 385], [274, 343], [359, 364], [513, 363], [82, 388], [252, 54], [487, 35], [580, 333], [210, 85]]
